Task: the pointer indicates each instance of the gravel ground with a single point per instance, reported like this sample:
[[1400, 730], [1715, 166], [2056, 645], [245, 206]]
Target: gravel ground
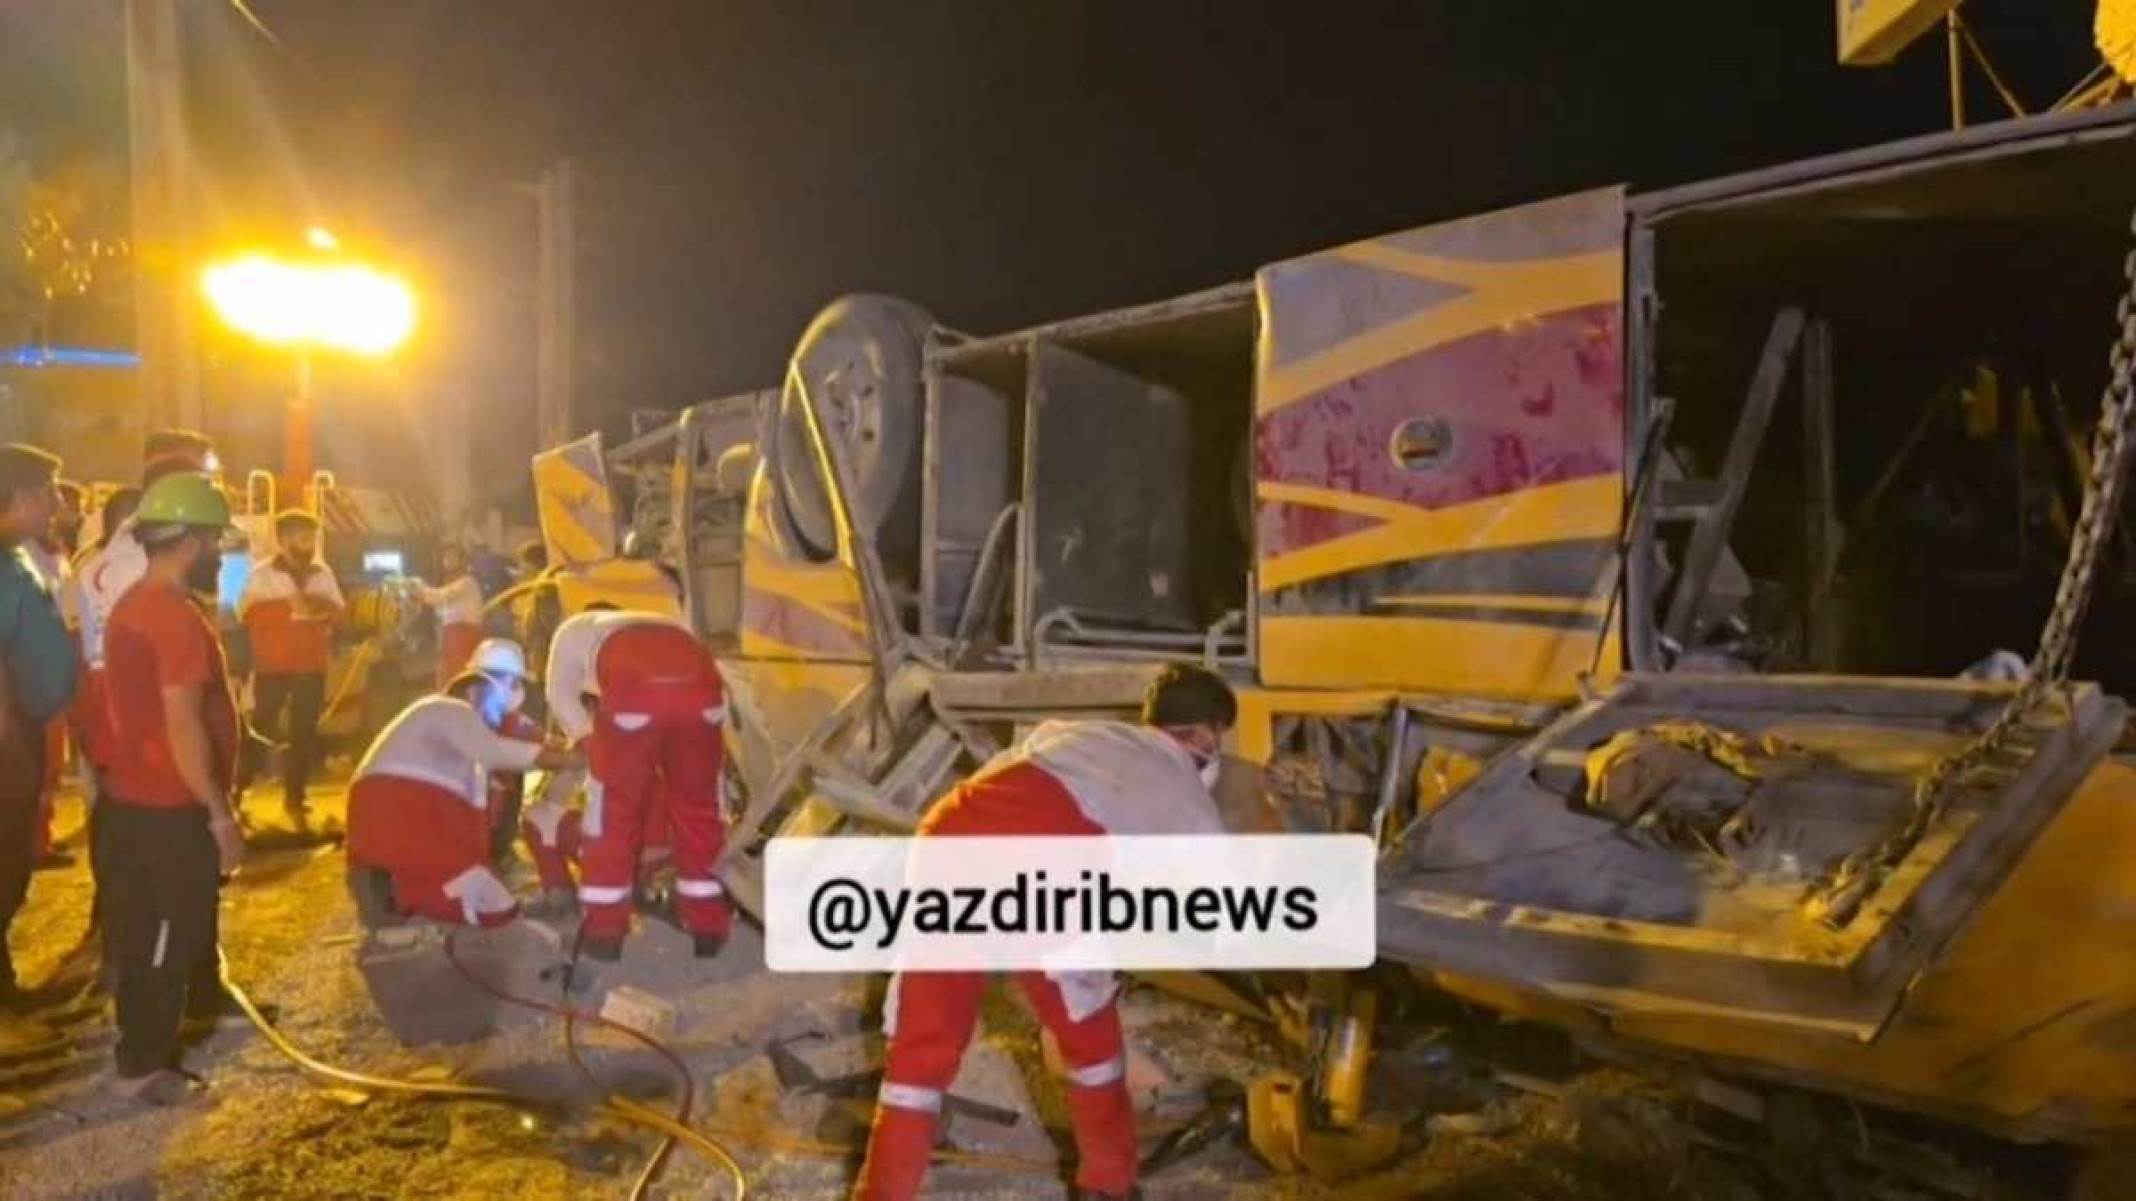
[[266, 1130]]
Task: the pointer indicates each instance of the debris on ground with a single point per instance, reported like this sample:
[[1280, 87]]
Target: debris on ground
[[786, 1069]]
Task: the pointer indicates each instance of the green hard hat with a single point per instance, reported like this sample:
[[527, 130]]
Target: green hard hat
[[186, 498]]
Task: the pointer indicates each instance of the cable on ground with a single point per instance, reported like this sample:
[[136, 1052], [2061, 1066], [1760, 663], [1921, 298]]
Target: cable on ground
[[618, 1107], [631, 1110]]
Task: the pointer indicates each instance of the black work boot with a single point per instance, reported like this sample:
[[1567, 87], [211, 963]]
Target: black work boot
[[706, 946]]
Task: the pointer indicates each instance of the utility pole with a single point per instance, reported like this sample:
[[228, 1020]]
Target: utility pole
[[556, 331], [162, 194]]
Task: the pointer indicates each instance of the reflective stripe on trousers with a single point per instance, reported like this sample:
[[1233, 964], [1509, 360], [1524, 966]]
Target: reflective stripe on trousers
[[911, 1096], [1100, 1074]]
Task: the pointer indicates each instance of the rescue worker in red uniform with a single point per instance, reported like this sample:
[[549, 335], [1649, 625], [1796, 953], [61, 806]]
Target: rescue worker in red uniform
[[290, 605], [419, 808], [654, 730], [1066, 778]]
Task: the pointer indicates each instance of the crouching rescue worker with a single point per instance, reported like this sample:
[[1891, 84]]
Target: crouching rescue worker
[[1067, 778], [166, 830], [504, 658], [652, 729], [419, 810]]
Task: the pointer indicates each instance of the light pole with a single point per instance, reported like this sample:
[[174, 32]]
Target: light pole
[[309, 305]]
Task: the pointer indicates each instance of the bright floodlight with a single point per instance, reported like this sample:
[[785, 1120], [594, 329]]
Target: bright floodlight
[[344, 306]]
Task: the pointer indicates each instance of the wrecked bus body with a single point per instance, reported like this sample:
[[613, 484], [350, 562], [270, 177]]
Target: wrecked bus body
[[1860, 350], [1609, 558]]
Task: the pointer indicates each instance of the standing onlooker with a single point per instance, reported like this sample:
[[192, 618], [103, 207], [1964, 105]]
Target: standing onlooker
[[90, 715], [457, 600], [119, 560], [92, 579], [52, 552], [167, 831], [171, 450], [535, 612], [101, 578], [38, 668], [289, 608], [52, 555]]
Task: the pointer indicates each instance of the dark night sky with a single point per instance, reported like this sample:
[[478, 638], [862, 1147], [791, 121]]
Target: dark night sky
[[1000, 162]]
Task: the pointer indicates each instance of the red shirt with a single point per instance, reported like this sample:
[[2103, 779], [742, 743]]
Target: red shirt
[[158, 638]]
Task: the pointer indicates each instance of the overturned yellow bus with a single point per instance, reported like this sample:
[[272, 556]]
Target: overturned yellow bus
[[1613, 559]]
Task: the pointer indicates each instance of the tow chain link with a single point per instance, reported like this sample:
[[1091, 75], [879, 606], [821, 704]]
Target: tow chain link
[[1836, 903]]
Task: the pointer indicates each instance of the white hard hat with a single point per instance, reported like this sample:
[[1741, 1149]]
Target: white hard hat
[[498, 657]]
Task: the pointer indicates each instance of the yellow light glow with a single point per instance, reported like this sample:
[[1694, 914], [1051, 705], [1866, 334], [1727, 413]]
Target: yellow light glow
[[321, 240], [340, 305]]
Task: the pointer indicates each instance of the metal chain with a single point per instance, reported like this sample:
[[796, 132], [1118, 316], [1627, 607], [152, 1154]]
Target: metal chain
[[1836, 902]]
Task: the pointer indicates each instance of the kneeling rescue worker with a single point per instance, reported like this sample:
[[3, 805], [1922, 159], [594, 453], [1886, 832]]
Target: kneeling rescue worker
[[419, 810], [166, 830], [1067, 778], [653, 729]]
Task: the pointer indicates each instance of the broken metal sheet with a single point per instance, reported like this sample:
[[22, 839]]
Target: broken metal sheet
[[1512, 881]]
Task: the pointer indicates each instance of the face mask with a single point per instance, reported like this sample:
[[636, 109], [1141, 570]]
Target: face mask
[[500, 700]]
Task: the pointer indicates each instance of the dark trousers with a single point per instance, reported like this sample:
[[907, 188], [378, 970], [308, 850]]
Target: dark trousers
[[288, 708], [506, 831], [161, 877], [21, 780]]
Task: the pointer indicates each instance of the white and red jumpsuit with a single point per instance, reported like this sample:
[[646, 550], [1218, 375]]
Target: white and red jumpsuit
[[419, 811], [101, 577], [656, 736], [1066, 778], [555, 836]]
